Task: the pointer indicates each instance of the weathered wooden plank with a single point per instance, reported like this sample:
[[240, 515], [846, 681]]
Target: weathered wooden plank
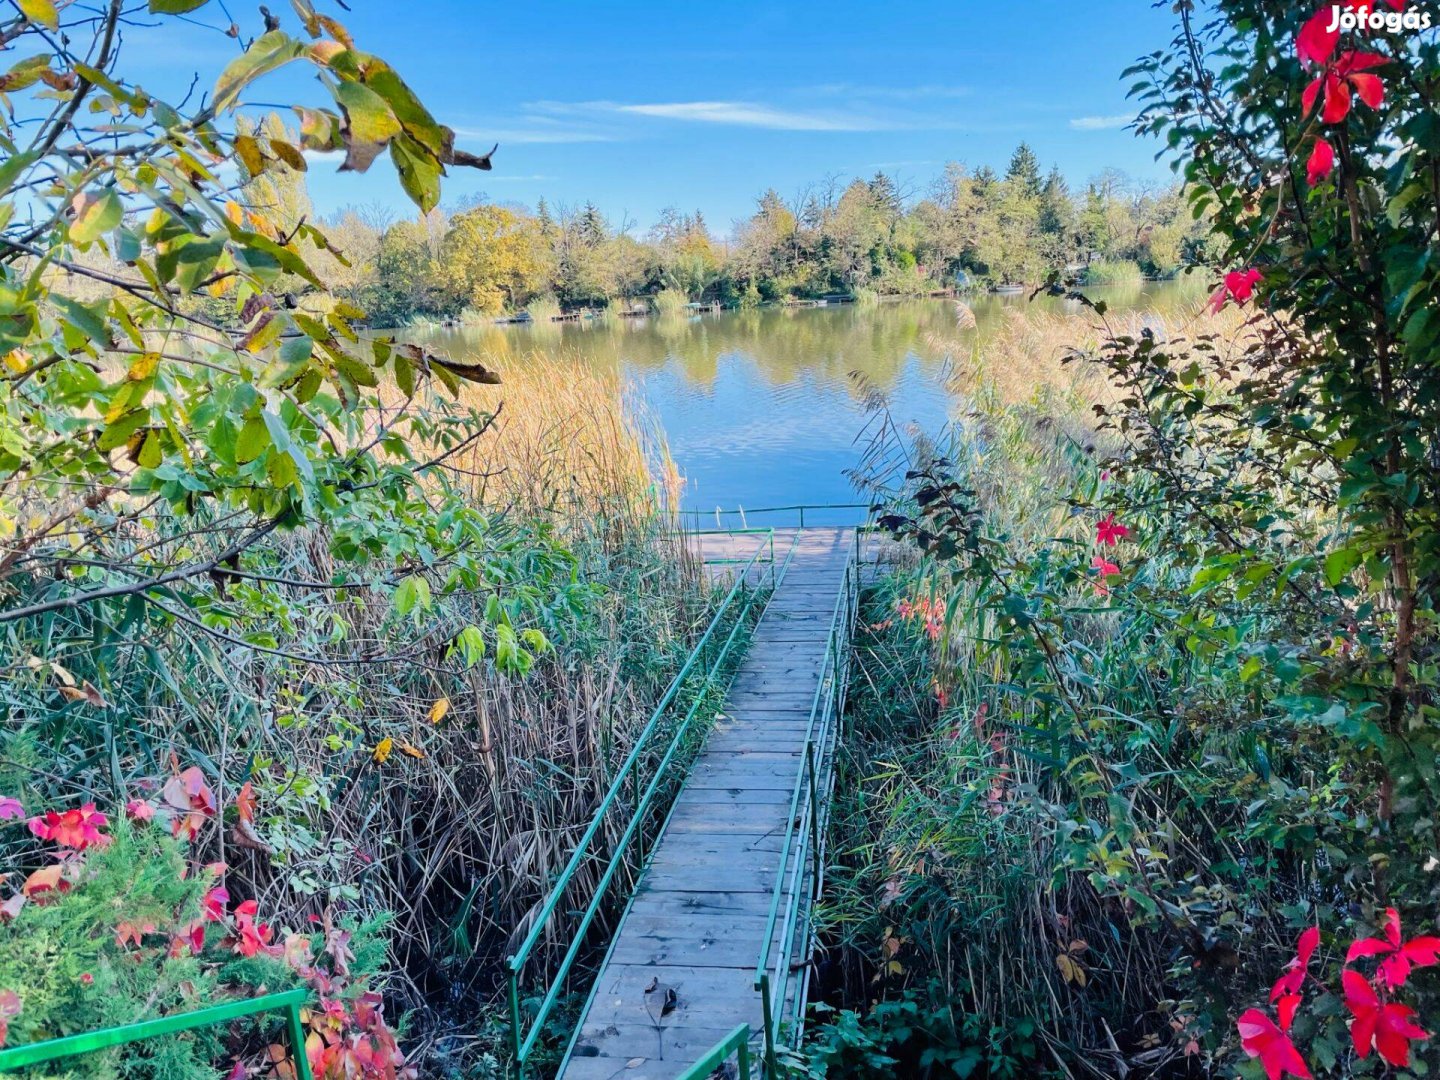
[[701, 908]]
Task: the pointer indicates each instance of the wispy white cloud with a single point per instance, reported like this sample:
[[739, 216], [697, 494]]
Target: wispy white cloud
[[752, 114], [1100, 123], [853, 115]]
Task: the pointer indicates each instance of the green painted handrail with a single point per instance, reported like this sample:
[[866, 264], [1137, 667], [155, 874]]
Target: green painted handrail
[[797, 508], [737, 1043], [523, 1039], [71, 1045]]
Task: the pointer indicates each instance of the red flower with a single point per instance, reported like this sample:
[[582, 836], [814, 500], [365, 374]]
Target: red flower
[[1341, 81], [1110, 532], [1289, 984], [1390, 1029], [87, 979], [1239, 285], [1261, 1037], [1321, 163], [77, 829], [1399, 958]]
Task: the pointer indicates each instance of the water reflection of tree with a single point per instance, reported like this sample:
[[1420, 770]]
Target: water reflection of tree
[[781, 345]]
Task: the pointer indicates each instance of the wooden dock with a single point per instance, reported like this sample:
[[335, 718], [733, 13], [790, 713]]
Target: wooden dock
[[680, 974]]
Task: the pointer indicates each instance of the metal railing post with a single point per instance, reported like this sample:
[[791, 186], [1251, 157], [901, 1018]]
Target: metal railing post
[[298, 1049]]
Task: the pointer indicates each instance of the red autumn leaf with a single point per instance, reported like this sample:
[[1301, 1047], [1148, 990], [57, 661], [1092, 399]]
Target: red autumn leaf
[[1387, 1028], [129, 932], [1110, 532], [191, 937], [9, 1009], [245, 802], [1399, 956], [1340, 83], [1321, 163], [252, 937], [213, 904], [44, 882], [75, 829], [1294, 977], [139, 810], [10, 909], [1262, 1038]]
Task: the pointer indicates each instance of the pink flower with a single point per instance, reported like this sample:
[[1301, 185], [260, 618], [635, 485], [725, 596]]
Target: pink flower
[[77, 829], [10, 808], [1321, 163], [138, 810]]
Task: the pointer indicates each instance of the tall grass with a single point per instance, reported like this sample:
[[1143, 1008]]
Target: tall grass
[[543, 309], [1114, 272], [669, 302]]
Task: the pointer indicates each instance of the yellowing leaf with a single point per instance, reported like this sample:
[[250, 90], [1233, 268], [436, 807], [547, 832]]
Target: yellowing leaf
[[411, 751], [268, 52], [97, 218], [382, 749], [41, 11], [143, 367], [438, 710]]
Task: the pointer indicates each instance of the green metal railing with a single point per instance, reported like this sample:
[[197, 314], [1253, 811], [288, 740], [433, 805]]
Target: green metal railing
[[797, 884], [797, 513], [754, 578], [72, 1045], [736, 1044]]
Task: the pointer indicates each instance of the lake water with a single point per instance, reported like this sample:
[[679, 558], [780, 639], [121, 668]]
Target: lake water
[[764, 408]]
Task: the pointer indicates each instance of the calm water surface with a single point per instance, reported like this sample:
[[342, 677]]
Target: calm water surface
[[762, 408]]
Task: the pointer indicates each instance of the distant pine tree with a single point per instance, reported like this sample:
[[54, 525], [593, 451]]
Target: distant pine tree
[[1025, 170]]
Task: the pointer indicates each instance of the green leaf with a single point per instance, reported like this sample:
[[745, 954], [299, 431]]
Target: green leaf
[[254, 440], [175, 7], [98, 218], [267, 53], [419, 171], [1339, 564], [89, 318]]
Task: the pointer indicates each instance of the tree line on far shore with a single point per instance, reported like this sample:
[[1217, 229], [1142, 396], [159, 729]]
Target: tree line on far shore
[[863, 239]]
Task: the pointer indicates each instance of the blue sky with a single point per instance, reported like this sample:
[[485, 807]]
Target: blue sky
[[639, 106]]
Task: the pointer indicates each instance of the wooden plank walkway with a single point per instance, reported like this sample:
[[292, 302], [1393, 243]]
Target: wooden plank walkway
[[681, 973]]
